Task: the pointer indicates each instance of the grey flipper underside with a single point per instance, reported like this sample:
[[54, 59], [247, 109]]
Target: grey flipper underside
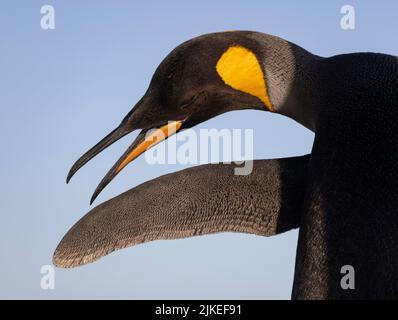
[[196, 201]]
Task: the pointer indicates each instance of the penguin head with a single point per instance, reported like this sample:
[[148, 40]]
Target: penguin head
[[203, 78], [200, 79]]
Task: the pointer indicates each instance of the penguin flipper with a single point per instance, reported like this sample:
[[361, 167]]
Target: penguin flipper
[[195, 201]]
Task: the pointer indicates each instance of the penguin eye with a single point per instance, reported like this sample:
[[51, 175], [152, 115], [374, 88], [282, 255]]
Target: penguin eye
[[196, 100], [185, 105]]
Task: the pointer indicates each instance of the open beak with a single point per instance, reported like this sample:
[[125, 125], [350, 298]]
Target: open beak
[[145, 140]]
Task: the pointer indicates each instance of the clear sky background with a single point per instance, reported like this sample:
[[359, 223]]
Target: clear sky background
[[62, 90]]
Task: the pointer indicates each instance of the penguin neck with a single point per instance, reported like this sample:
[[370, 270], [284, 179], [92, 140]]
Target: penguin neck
[[293, 80], [301, 103]]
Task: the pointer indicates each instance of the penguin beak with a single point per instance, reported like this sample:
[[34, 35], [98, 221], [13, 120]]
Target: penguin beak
[[145, 140]]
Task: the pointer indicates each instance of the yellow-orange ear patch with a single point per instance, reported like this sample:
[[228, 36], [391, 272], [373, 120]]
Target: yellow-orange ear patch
[[239, 68]]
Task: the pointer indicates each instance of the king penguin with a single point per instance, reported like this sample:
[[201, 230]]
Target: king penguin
[[343, 197]]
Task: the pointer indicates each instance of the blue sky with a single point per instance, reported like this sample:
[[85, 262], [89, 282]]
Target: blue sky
[[64, 89]]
